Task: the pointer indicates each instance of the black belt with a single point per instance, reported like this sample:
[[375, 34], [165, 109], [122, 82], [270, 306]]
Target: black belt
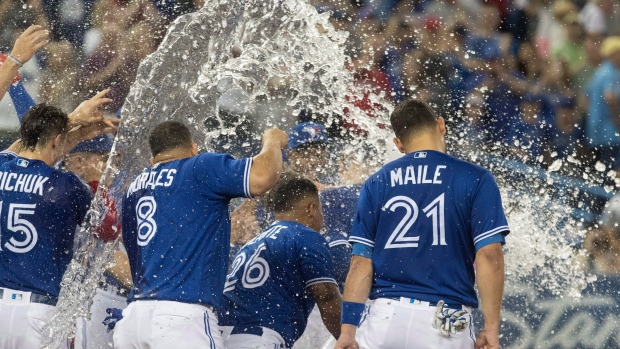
[[37, 298]]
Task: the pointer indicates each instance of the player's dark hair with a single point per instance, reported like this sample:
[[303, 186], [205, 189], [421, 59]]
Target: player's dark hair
[[169, 135], [411, 117], [290, 190], [41, 124]]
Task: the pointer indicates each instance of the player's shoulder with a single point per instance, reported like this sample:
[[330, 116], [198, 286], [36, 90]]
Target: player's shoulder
[[336, 238], [438, 158], [6, 156]]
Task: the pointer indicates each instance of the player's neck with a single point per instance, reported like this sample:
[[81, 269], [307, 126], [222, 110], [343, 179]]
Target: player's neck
[[172, 155], [292, 217], [425, 142], [44, 154]]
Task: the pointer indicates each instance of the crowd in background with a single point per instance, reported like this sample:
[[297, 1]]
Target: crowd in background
[[537, 81]]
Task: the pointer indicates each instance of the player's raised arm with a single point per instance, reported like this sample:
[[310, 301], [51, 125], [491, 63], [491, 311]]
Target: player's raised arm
[[356, 290], [490, 280], [267, 165], [31, 40]]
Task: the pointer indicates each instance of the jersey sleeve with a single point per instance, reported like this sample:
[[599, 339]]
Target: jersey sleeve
[[222, 175], [488, 221], [364, 227], [314, 259], [81, 198]]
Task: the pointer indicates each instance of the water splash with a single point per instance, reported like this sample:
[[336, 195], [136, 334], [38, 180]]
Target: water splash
[[236, 67]]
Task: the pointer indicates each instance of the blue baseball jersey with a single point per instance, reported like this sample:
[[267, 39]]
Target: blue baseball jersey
[[268, 281], [425, 215], [339, 209], [176, 227], [40, 210]]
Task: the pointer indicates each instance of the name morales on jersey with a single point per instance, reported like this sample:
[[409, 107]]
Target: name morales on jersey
[[25, 183], [415, 176], [152, 179]]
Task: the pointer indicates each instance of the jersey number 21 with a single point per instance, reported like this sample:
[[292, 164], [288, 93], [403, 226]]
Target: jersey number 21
[[434, 210]]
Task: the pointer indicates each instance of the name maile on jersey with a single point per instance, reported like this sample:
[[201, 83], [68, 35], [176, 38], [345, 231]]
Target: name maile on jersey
[[415, 176]]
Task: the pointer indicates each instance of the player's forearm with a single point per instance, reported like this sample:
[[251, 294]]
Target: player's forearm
[[8, 70], [330, 313], [359, 280], [490, 279]]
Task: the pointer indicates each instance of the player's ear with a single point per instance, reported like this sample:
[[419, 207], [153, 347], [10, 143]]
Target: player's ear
[[441, 126], [399, 145], [152, 161], [194, 149], [57, 140]]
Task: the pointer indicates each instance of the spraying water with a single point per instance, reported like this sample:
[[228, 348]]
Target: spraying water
[[233, 69]]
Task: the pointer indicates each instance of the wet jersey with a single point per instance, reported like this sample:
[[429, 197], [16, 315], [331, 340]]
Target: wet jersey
[[425, 215], [339, 208], [176, 227], [40, 210], [268, 281]]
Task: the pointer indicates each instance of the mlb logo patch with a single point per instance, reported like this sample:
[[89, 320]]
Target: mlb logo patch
[[16, 296], [22, 162], [419, 155]]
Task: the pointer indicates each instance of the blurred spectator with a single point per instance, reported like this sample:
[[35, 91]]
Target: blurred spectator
[[565, 131], [603, 122], [550, 33], [68, 19], [526, 136], [59, 80], [572, 50], [472, 133], [603, 244], [595, 16]]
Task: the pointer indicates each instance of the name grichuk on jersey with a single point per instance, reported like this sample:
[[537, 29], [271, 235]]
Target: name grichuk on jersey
[[268, 281], [40, 210], [426, 214], [176, 227]]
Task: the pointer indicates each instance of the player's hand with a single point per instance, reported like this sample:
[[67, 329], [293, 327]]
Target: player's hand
[[91, 111], [27, 44], [277, 136], [487, 339], [347, 339]]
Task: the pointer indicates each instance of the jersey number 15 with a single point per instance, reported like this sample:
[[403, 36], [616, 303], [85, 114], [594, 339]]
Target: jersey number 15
[[434, 210]]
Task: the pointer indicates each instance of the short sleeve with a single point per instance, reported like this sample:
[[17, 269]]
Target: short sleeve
[[314, 259], [488, 221], [365, 224], [223, 175]]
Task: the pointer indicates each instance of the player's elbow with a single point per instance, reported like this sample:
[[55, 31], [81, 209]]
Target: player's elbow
[[491, 256]]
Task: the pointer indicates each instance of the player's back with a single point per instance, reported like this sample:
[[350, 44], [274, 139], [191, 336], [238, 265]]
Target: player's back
[[40, 210], [267, 282], [429, 211], [176, 227]]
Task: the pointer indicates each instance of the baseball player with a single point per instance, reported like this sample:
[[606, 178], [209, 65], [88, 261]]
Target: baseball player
[[87, 160], [422, 222], [40, 209], [277, 277], [176, 230]]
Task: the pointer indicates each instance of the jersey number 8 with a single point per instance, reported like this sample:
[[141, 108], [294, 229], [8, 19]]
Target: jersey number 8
[[147, 227], [435, 210]]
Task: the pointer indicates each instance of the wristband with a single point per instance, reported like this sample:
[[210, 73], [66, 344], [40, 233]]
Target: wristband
[[352, 313], [16, 61]]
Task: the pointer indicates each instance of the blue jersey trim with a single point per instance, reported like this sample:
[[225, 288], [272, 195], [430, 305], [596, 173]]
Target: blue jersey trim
[[491, 232], [246, 178], [354, 239], [339, 242], [320, 281], [490, 240], [5, 152], [362, 250]]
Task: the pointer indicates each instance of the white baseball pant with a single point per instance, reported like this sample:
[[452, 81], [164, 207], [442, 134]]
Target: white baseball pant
[[269, 340], [167, 324], [92, 333], [394, 324], [316, 334], [21, 322]]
